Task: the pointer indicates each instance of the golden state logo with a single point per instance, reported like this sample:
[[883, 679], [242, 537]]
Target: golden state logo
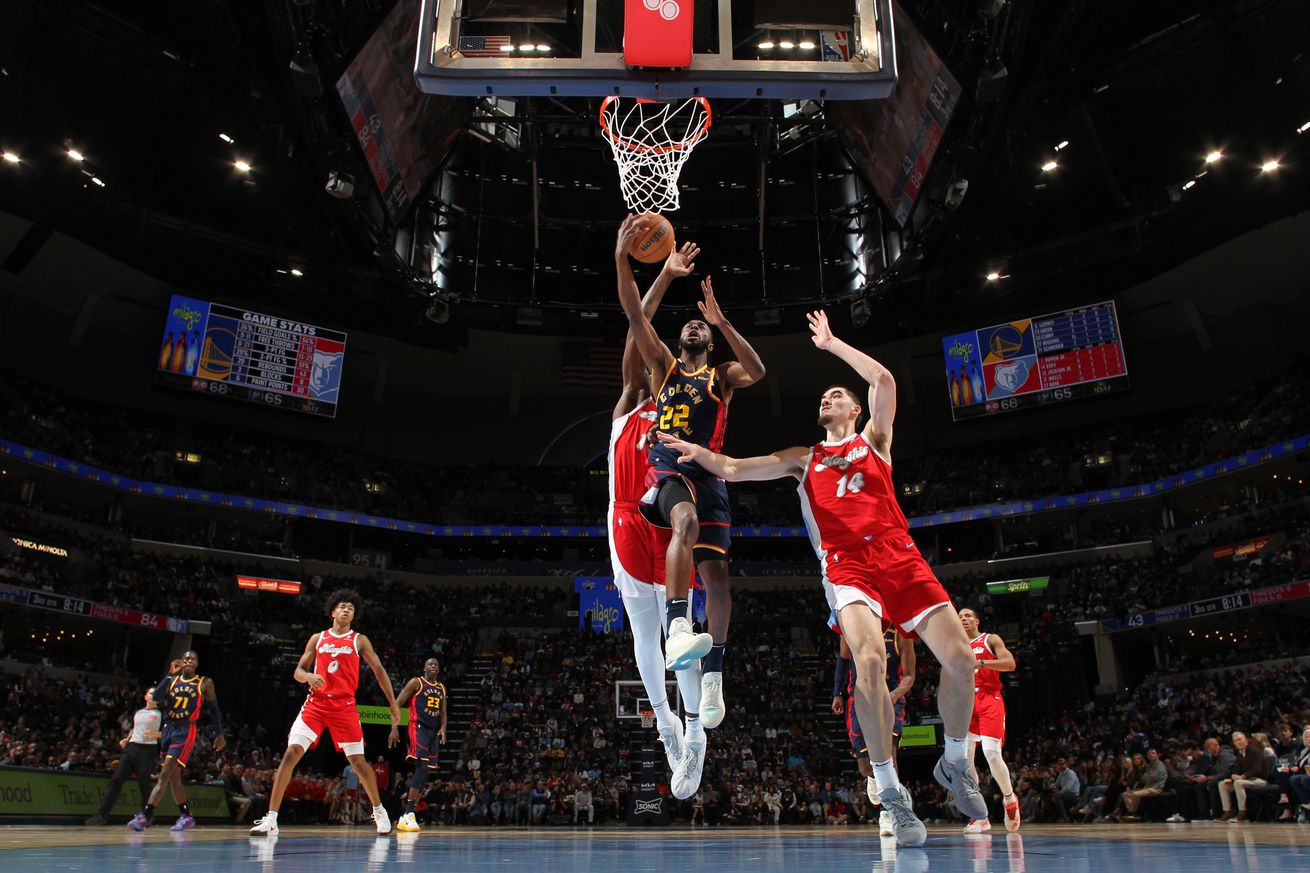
[[1005, 342]]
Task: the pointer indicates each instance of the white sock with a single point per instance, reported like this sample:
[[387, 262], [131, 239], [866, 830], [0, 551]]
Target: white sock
[[664, 716], [884, 776], [378, 809], [693, 723], [955, 750]]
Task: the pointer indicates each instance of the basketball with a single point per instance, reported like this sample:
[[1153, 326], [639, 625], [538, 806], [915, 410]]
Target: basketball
[[655, 241]]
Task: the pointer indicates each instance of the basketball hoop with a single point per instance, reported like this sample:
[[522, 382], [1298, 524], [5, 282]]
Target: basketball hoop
[[651, 140], [648, 718]]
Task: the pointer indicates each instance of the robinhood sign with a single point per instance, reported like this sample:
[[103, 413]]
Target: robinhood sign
[[26, 792]]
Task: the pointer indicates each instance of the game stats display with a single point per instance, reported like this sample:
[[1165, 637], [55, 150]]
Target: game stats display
[[229, 352], [1035, 361]]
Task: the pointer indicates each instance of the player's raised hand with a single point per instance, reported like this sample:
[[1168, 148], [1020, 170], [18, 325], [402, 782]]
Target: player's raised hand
[[690, 452], [709, 307], [683, 261], [821, 332], [628, 230], [316, 681], [175, 666]]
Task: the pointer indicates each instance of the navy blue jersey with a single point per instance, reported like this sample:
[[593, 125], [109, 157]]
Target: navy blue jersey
[[893, 642], [180, 699], [690, 407], [426, 705]]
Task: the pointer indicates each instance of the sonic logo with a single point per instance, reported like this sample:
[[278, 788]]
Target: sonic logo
[[650, 806]]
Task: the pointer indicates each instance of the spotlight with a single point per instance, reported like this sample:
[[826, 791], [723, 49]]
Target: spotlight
[[786, 44], [1303, 128], [1064, 144], [11, 158], [340, 185], [1189, 184], [241, 166], [95, 180], [766, 45], [527, 47], [542, 47], [1214, 156], [297, 272], [807, 45], [225, 138], [993, 276], [1269, 166], [1049, 166], [860, 312], [76, 155], [955, 193], [507, 48]]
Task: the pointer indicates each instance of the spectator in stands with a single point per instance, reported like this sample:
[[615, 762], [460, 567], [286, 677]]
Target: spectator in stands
[[1066, 789], [1299, 780], [1151, 777], [1251, 768], [540, 798], [1199, 792], [582, 800]]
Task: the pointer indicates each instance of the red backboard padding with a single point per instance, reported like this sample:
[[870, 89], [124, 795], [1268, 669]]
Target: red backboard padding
[[657, 33]]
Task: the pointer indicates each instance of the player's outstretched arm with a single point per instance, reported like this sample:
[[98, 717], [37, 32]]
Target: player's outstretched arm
[[384, 681], [882, 387], [636, 379], [748, 368], [301, 673], [1004, 660], [215, 714], [909, 664], [787, 462], [654, 353]]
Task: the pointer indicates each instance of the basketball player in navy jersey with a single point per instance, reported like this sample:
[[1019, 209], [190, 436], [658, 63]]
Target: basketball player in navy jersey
[[692, 402], [873, 574], [637, 548], [180, 696], [426, 697]]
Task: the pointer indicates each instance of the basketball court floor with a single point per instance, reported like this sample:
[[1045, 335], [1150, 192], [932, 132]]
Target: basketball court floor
[[1195, 848]]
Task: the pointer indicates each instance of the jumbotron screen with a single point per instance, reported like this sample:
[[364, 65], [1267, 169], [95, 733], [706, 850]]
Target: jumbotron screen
[[230, 352], [1035, 361]]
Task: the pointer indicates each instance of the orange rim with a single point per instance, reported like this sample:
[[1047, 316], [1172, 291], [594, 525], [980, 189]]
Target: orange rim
[[639, 148]]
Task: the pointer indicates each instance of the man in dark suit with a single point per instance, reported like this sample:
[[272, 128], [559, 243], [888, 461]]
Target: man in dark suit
[[1198, 796]]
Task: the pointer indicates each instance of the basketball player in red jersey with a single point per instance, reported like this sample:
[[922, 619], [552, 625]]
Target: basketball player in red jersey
[[638, 548], [872, 572], [692, 401], [987, 727], [335, 655]]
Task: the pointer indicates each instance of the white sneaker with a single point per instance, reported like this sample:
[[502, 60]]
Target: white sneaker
[[906, 826], [683, 648], [960, 780], [1176, 818], [407, 822], [885, 824], [978, 826], [686, 776], [712, 709], [671, 737], [382, 820], [871, 791], [266, 826]]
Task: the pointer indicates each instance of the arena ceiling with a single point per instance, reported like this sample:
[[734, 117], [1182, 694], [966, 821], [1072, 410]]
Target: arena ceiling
[[1141, 92]]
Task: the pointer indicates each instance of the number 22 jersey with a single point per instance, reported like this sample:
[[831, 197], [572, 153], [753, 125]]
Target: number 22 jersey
[[847, 496]]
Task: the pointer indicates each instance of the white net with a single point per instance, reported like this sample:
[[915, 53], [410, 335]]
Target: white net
[[651, 140]]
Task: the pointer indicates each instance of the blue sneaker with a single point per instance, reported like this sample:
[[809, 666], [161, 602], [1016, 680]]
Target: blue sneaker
[[139, 822], [184, 823]]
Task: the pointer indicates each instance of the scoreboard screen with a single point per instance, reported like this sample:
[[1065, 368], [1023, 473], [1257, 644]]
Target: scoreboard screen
[[1035, 361], [226, 351]]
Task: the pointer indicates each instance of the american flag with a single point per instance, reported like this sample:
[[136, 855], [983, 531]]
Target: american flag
[[482, 46], [589, 365]]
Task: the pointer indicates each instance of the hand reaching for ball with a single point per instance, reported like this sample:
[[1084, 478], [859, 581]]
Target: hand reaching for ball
[[683, 261]]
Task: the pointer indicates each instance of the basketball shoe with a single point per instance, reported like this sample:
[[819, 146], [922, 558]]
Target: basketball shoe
[[407, 822], [961, 781], [871, 790], [885, 828], [671, 737], [139, 822], [382, 820], [712, 709], [978, 826], [686, 776], [1012, 814], [266, 826], [682, 648], [907, 828], [183, 823]]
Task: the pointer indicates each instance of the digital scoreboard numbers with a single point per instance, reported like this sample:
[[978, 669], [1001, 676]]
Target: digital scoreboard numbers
[[230, 352], [1035, 361]]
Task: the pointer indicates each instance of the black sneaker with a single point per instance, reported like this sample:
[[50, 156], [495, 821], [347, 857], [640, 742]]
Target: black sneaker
[[96, 821]]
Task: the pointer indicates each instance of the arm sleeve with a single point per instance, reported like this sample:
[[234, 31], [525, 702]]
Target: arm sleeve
[[841, 676], [161, 691], [215, 716]]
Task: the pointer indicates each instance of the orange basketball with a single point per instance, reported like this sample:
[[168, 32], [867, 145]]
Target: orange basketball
[[655, 241]]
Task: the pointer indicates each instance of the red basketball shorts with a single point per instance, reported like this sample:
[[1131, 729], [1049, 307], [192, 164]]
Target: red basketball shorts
[[637, 550], [988, 717], [889, 575], [339, 717]]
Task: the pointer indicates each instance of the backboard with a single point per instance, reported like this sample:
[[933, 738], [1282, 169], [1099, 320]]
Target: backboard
[[761, 49], [630, 698]]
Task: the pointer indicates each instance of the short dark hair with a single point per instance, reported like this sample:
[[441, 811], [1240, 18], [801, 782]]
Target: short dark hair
[[345, 595]]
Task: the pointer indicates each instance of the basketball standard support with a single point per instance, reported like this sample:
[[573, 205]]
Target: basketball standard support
[[869, 73]]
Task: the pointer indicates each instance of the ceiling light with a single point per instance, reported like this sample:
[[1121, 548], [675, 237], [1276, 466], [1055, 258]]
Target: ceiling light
[[806, 44], [1303, 128], [1064, 144], [542, 47], [766, 45], [1269, 166], [507, 48], [11, 158], [1213, 156], [786, 44], [76, 155], [95, 180], [297, 272], [1049, 166], [993, 276], [242, 166], [225, 138], [1189, 184], [526, 47]]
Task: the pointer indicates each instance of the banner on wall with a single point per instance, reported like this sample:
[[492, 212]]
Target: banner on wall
[[27, 793], [599, 596]]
